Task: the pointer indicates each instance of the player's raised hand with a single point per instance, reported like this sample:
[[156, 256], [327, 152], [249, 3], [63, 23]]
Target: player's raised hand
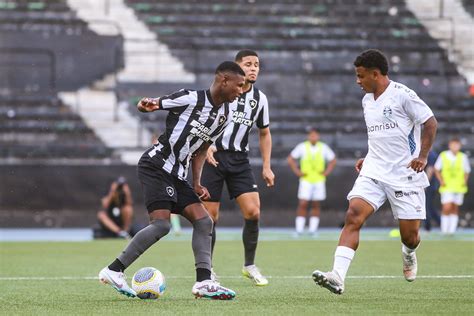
[[148, 105], [210, 156], [202, 192], [418, 164], [359, 163], [268, 176]]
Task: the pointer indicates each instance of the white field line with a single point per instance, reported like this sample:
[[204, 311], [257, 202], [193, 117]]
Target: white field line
[[238, 277]]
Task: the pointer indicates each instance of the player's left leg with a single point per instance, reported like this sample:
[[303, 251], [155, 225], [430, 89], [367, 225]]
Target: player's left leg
[[409, 232], [249, 204], [314, 217]]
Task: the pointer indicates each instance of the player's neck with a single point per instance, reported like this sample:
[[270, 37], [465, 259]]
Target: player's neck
[[381, 87], [214, 97], [247, 87]]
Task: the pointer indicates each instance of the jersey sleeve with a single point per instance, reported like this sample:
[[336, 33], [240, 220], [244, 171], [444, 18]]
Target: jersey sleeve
[[415, 107], [263, 119], [439, 163], [467, 165], [178, 100], [298, 151], [328, 153]]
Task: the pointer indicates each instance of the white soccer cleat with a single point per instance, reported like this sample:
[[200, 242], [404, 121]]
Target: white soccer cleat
[[214, 276], [117, 281], [410, 266], [213, 290], [253, 273], [329, 280]]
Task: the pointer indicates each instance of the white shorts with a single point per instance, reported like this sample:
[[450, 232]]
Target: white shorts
[[312, 191], [450, 197], [406, 203]]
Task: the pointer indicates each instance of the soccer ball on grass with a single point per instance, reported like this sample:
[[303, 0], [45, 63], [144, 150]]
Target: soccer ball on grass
[[149, 283]]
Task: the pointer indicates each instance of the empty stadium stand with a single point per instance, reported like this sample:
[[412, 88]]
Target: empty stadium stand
[[42, 128], [307, 49]]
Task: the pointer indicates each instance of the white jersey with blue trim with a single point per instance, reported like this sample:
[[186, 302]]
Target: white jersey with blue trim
[[394, 135]]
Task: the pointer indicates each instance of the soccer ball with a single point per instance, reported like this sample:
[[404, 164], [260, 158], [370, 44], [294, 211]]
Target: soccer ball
[[149, 283]]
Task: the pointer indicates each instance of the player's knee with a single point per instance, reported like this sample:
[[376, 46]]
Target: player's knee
[[204, 224], [303, 204], [252, 212], [354, 218], [161, 227]]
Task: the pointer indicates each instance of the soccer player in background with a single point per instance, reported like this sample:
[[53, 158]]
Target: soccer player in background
[[392, 169], [316, 162], [228, 161], [195, 119], [452, 170]]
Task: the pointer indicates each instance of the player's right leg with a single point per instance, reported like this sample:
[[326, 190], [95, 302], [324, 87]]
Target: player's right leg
[[409, 233], [365, 198], [160, 198], [201, 244], [300, 220]]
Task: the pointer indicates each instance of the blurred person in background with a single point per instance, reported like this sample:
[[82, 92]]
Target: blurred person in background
[[316, 162], [430, 192], [452, 170], [115, 217]]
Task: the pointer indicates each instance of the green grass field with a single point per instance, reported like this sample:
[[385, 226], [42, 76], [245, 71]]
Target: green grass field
[[60, 278]]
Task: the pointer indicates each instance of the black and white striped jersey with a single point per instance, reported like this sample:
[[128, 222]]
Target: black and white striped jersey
[[251, 107], [192, 120]]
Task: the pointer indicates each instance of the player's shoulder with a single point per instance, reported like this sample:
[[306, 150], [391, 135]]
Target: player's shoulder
[[262, 95], [403, 91]]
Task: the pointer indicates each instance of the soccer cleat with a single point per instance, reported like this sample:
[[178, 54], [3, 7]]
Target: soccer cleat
[[329, 280], [410, 266], [117, 281], [213, 290], [214, 276], [253, 273]]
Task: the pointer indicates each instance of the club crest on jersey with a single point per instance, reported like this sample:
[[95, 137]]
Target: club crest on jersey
[[387, 111], [170, 191], [253, 103], [222, 119]]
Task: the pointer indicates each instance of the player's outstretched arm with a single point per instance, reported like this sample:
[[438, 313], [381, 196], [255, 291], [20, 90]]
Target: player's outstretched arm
[[148, 105], [427, 138], [196, 165], [265, 141]]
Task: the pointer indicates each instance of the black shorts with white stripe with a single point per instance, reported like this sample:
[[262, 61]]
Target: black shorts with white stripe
[[233, 168], [163, 190]]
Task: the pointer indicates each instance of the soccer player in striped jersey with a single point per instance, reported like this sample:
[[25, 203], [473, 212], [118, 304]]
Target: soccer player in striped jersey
[[228, 162], [195, 119], [392, 169]]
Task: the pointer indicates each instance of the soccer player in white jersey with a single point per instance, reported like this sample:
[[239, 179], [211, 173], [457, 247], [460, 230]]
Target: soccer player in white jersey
[[228, 162], [392, 169], [195, 119]]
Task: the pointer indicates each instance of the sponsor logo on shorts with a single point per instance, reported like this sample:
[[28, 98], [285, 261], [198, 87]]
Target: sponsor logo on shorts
[[399, 194], [255, 186], [170, 191], [418, 208]]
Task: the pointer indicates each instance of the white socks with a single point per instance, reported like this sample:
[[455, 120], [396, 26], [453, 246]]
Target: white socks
[[313, 224], [449, 223], [342, 260], [444, 224], [407, 250], [299, 223], [453, 223]]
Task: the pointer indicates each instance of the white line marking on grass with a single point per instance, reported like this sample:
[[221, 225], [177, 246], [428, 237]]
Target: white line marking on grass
[[238, 277]]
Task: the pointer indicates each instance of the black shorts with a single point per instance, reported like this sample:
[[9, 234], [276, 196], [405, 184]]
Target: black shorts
[[162, 190], [233, 168]]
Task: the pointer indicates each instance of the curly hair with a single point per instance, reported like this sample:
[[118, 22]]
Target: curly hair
[[372, 58]]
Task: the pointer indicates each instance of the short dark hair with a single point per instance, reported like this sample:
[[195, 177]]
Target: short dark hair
[[244, 53], [455, 139], [372, 58], [230, 66], [310, 129]]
